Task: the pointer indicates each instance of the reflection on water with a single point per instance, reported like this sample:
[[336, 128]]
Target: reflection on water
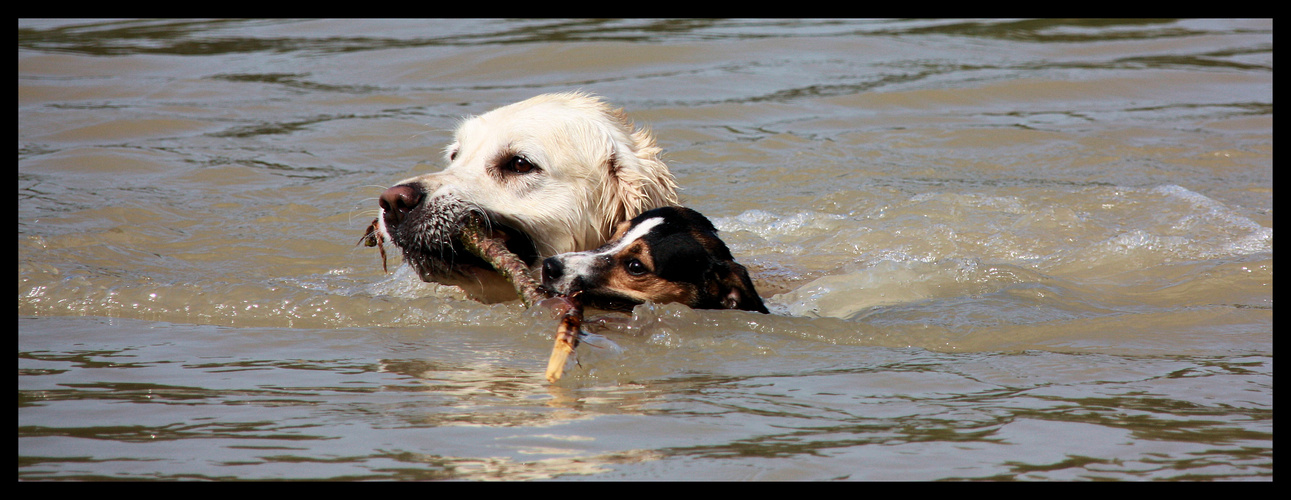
[[1001, 249]]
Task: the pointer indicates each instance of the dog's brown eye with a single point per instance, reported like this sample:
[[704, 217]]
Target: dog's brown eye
[[520, 165], [636, 268]]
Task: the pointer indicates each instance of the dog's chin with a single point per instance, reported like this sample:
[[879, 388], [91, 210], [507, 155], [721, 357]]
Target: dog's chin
[[478, 283]]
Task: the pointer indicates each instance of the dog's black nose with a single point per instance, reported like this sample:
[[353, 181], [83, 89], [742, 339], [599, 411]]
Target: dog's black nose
[[552, 270], [396, 202]]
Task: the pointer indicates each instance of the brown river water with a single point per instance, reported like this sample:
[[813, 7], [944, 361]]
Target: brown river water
[[1000, 250]]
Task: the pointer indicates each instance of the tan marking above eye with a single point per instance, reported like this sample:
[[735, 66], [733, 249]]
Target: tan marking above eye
[[638, 251], [647, 285], [620, 229]]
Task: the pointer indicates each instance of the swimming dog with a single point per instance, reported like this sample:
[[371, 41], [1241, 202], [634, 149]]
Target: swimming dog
[[668, 254], [551, 174]]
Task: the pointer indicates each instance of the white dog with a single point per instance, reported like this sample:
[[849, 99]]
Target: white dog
[[551, 174]]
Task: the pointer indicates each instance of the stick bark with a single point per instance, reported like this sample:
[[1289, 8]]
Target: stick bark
[[494, 251]]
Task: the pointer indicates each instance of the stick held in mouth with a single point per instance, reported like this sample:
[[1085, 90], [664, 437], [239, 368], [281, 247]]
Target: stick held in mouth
[[372, 238], [567, 335], [493, 250]]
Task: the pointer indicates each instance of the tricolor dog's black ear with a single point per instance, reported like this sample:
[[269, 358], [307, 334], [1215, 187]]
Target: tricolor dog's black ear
[[735, 288], [726, 282]]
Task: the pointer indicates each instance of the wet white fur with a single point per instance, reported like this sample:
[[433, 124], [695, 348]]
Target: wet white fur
[[596, 170]]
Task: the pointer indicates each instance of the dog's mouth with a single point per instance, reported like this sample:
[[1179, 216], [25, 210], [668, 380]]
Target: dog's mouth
[[517, 242], [428, 230], [444, 258], [598, 298], [608, 301]]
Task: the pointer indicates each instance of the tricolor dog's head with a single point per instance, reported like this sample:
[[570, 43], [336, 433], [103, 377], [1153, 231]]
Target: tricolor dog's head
[[669, 254]]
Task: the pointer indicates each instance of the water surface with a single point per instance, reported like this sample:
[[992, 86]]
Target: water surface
[[1004, 249]]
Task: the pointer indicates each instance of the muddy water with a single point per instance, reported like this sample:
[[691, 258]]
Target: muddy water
[[994, 250]]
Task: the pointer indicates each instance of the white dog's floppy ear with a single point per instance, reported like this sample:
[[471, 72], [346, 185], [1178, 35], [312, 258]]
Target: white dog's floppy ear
[[638, 180]]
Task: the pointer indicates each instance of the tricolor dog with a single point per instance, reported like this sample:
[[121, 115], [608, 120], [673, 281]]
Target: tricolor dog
[[669, 254]]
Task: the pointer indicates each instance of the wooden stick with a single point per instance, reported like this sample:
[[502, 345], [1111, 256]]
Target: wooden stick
[[371, 238], [567, 333], [494, 251]]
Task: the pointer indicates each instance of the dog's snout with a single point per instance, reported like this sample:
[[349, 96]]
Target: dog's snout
[[552, 270], [397, 201]]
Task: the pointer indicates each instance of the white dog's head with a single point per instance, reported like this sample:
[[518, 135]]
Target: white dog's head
[[553, 174]]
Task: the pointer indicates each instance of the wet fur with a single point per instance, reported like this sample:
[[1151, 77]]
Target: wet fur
[[669, 254], [591, 169]]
